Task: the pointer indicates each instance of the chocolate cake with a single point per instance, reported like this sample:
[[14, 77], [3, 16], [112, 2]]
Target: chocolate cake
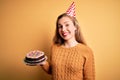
[[35, 57]]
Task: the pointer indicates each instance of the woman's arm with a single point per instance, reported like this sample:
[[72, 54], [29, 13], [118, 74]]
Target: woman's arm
[[89, 66], [46, 67]]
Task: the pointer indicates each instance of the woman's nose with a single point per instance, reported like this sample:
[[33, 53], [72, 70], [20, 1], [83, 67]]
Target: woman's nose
[[63, 28]]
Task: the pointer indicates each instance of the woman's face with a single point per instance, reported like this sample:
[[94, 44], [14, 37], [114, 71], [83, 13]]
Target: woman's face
[[66, 28]]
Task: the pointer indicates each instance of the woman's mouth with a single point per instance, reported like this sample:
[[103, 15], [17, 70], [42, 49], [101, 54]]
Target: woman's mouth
[[65, 34]]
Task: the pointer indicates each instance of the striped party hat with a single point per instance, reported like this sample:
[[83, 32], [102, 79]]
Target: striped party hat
[[71, 10]]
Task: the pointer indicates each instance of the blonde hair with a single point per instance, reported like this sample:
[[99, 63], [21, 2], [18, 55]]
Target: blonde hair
[[78, 35]]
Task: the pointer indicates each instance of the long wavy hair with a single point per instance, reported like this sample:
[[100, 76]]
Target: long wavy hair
[[78, 35]]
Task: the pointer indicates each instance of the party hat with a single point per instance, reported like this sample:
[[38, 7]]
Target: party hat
[[71, 10]]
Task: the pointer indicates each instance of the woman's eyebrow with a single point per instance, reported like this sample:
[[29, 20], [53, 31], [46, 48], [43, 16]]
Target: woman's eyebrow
[[66, 21]]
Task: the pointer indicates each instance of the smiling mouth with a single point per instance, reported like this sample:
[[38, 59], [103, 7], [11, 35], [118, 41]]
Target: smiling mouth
[[64, 34]]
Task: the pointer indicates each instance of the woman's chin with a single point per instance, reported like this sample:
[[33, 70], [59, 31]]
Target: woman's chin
[[66, 38]]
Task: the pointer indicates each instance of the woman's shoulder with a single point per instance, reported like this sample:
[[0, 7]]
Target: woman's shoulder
[[83, 46], [85, 49], [53, 46]]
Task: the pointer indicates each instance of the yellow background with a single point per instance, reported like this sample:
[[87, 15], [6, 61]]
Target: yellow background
[[27, 25]]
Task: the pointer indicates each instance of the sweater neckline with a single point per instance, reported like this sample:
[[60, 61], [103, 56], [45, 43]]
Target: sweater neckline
[[70, 47]]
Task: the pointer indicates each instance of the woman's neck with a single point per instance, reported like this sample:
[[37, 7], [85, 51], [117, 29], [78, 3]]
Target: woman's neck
[[70, 43]]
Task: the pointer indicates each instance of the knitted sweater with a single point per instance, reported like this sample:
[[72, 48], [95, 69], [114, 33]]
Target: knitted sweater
[[75, 63]]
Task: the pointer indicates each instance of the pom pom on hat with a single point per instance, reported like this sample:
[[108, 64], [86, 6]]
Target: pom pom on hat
[[71, 10]]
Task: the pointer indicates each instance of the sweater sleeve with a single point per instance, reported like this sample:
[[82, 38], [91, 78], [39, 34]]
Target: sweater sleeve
[[50, 64], [89, 68]]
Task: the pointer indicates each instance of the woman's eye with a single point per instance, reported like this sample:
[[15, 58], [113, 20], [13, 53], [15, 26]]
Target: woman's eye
[[67, 25], [59, 26]]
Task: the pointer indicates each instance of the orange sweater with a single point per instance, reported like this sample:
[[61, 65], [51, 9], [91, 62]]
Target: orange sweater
[[75, 63]]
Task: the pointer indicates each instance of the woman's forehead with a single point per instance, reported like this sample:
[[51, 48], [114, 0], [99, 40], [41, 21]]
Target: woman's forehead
[[64, 20]]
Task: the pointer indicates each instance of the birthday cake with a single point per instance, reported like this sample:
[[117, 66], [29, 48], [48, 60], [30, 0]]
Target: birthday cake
[[35, 57]]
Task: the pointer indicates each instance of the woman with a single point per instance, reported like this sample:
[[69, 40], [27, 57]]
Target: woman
[[71, 58]]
